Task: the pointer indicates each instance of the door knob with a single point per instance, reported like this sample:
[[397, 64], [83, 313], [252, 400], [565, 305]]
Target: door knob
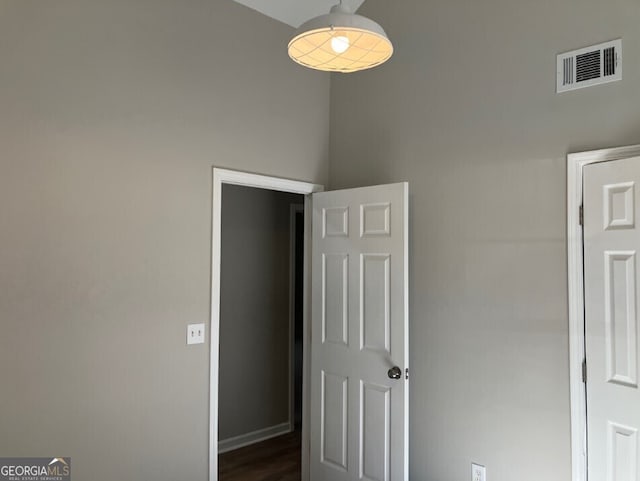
[[394, 373]]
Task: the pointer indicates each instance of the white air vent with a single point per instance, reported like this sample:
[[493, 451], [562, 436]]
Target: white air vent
[[590, 66]]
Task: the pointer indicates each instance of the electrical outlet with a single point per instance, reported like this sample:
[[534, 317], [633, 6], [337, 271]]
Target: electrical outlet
[[195, 334], [478, 472]]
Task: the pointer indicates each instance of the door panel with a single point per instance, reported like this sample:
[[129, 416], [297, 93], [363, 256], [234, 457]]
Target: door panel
[[374, 434], [611, 243], [334, 417], [375, 293], [335, 280], [359, 416]]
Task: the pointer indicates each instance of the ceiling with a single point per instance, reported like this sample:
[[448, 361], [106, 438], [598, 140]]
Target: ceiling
[[296, 12]]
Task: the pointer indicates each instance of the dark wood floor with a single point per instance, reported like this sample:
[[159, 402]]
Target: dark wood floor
[[276, 459]]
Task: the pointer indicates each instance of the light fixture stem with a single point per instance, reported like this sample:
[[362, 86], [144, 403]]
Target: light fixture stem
[[341, 8]]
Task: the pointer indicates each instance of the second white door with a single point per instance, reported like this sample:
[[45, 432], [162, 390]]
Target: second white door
[[611, 244]]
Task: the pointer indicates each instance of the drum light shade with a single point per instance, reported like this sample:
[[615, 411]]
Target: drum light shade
[[340, 41]]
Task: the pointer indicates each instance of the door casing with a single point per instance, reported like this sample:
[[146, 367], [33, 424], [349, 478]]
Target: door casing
[[226, 176], [575, 269]]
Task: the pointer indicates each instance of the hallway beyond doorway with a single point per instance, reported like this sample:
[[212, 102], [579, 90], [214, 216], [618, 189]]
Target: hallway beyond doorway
[[276, 459]]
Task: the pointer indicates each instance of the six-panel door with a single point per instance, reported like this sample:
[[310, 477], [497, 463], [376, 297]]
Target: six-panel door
[[359, 415], [611, 244]]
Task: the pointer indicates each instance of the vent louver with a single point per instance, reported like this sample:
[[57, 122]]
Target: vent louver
[[589, 66]]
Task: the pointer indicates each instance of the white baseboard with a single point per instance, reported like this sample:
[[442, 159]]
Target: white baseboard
[[236, 442]]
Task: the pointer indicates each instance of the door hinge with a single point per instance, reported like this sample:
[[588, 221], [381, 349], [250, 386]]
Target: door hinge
[[581, 215], [406, 373], [584, 371]]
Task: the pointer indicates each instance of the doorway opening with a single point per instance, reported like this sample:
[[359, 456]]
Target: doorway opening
[[359, 299], [259, 332], [260, 308]]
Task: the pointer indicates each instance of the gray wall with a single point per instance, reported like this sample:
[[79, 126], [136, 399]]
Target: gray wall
[[254, 310], [466, 111], [112, 114]]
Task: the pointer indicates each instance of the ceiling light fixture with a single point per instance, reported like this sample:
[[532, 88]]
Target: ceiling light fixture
[[340, 41]]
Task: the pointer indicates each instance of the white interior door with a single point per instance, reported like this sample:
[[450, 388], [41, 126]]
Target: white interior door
[[359, 414], [611, 244]]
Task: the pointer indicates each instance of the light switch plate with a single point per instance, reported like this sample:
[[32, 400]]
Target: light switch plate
[[195, 334], [478, 472]]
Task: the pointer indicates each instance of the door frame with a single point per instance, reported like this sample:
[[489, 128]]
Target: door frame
[[235, 177], [575, 263]]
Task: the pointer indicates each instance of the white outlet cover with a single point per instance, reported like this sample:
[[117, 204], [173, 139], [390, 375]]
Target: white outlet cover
[[478, 472], [195, 334]]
